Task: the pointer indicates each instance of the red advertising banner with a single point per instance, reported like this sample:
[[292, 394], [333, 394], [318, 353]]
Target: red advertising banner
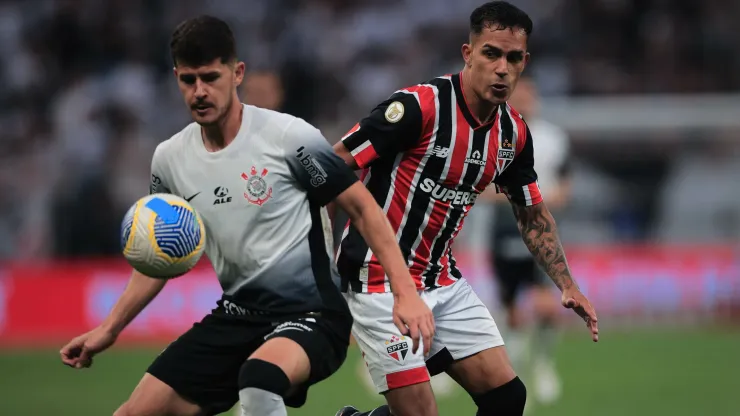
[[42, 303]]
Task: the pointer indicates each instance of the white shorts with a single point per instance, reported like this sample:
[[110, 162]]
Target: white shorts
[[464, 326]]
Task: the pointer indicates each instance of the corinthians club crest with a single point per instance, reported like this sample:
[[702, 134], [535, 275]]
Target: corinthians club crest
[[257, 191]]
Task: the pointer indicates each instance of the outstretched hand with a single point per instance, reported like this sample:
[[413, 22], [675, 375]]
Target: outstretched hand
[[574, 299]]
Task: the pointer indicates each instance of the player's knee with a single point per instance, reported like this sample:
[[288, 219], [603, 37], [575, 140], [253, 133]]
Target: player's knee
[[262, 386], [260, 374], [505, 400]]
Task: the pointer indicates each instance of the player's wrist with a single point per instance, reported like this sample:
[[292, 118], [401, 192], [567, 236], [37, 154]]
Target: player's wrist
[[404, 291], [111, 327]]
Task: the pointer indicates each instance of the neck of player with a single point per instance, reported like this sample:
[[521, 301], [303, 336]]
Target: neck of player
[[222, 133], [481, 109]]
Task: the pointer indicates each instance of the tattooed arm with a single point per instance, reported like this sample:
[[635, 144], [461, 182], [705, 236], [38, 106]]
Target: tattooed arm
[[537, 226], [540, 234]]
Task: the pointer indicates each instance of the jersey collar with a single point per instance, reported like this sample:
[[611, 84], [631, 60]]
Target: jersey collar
[[463, 105]]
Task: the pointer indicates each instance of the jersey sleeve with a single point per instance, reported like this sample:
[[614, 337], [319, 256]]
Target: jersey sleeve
[[314, 165], [519, 181], [394, 126], [158, 183]]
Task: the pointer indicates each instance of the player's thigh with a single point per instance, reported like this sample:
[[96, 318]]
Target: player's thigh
[[308, 350], [413, 400], [482, 371], [202, 366], [288, 355], [387, 353], [152, 397], [465, 331]]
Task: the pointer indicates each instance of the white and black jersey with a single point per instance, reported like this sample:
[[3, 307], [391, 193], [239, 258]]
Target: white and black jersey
[[262, 201]]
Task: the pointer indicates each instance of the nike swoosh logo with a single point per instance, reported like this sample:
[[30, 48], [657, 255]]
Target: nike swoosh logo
[[191, 198]]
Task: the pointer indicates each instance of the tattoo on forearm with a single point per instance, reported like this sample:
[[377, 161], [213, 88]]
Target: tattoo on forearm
[[539, 232]]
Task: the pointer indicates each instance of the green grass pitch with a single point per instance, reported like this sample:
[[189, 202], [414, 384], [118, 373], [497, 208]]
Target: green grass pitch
[[661, 372]]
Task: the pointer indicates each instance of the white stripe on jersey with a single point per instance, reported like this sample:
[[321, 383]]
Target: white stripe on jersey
[[466, 208], [359, 148], [515, 129], [364, 273], [527, 195], [445, 172], [415, 181], [500, 134]]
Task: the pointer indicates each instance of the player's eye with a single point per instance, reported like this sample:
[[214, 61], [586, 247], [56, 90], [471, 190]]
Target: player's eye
[[492, 53], [515, 57], [188, 79], [209, 77]]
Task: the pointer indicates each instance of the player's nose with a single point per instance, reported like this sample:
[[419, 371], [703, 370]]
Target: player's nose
[[200, 90], [502, 68]]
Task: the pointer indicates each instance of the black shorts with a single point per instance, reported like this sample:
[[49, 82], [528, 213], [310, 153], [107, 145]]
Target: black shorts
[[203, 364], [515, 275]]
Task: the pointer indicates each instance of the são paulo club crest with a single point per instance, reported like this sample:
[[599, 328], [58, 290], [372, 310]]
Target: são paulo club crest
[[257, 190], [397, 348]]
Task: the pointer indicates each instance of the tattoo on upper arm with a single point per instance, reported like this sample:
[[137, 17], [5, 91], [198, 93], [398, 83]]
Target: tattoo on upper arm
[[539, 232]]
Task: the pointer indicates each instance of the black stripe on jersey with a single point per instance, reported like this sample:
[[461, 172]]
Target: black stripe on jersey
[[433, 168], [321, 264], [461, 102], [507, 130], [354, 248], [507, 124], [460, 97], [471, 175], [454, 271]]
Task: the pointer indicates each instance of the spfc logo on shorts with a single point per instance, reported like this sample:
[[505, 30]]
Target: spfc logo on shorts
[[397, 348], [257, 190]]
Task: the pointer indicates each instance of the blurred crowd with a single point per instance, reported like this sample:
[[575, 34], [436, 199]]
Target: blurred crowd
[[88, 93]]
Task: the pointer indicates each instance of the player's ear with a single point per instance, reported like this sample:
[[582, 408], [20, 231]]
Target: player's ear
[[467, 52], [174, 71], [239, 69]]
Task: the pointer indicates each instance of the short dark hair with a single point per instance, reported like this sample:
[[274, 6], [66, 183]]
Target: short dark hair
[[201, 40], [499, 15]]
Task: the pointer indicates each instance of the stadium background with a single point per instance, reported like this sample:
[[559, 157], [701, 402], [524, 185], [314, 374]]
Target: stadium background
[[649, 91]]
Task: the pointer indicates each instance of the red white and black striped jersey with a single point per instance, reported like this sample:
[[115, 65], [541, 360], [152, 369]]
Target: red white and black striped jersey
[[425, 159]]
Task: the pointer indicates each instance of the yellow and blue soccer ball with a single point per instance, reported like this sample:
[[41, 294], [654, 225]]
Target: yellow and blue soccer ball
[[162, 236]]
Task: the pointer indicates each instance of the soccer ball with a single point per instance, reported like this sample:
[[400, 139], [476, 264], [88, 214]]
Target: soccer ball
[[162, 236]]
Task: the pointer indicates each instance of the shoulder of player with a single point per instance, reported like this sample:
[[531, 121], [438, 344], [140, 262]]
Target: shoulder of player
[[287, 129], [176, 141], [426, 89], [515, 115], [278, 121], [422, 97]]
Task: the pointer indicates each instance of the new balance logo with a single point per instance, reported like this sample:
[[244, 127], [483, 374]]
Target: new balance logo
[[440, 151]]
